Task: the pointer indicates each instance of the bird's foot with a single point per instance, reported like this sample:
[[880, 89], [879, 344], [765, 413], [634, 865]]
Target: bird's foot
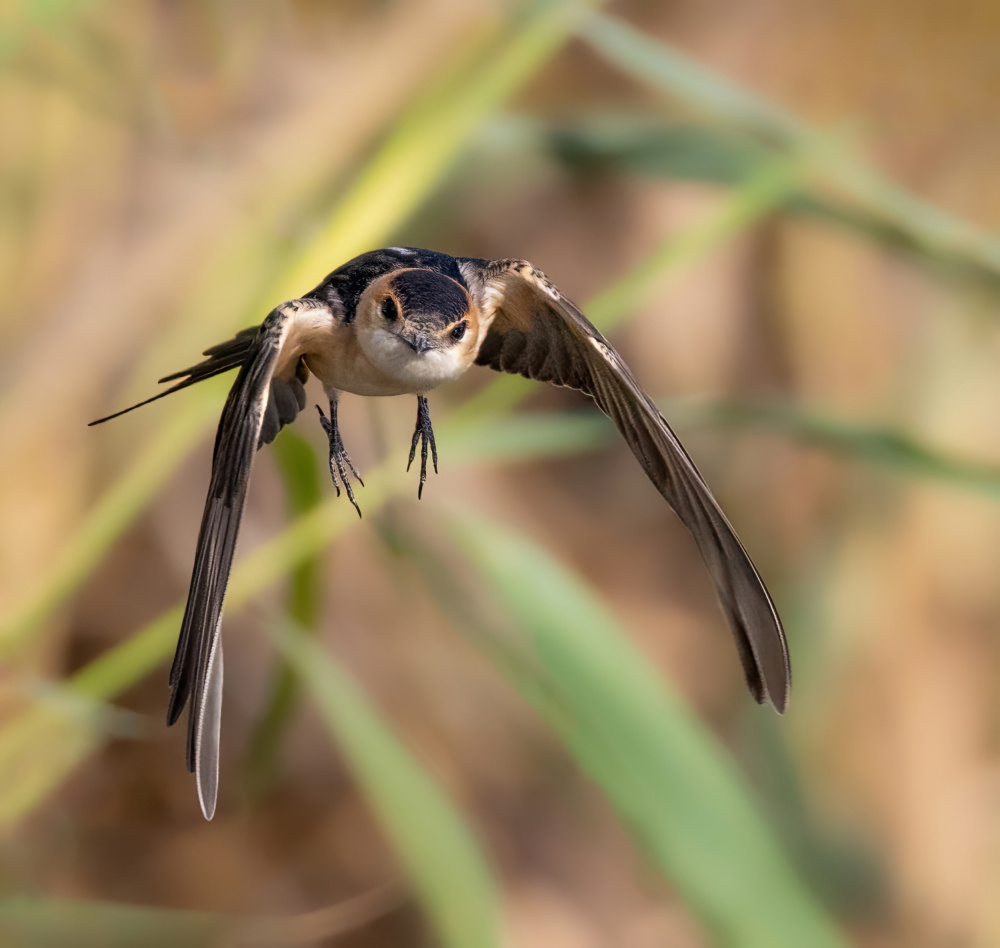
[[341, 465], [425, 434]]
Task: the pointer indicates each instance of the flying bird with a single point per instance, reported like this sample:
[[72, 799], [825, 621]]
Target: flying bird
[[402, 321]]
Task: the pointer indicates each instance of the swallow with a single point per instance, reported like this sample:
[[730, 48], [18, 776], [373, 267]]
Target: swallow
[[402, 321]]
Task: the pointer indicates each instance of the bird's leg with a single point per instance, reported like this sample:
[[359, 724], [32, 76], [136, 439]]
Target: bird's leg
[[425, 433], [341, 465]]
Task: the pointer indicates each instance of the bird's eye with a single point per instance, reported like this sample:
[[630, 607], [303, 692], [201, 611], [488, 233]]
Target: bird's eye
[[389, 309], [458, 331]]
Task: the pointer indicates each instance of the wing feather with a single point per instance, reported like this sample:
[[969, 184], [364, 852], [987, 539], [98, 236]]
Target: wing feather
[[221, 358], [196, 674], [539, 333]]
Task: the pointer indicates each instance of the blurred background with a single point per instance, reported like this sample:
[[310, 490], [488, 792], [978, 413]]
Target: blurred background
[[512, 713]]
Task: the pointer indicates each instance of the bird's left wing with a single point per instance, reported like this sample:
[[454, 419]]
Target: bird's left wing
[[196, 674], [537, 332]]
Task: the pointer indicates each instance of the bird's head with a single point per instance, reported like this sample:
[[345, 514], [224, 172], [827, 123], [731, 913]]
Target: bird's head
[[416, 325]]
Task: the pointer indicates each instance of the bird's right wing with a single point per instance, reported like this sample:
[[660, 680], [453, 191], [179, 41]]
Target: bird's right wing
[[196, 674]]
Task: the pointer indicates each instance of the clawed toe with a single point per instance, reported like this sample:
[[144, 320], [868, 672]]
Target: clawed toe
[[341, 465], [423, 433]]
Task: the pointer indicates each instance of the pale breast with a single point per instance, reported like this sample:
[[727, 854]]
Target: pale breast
[[382, 365], [344, 368]]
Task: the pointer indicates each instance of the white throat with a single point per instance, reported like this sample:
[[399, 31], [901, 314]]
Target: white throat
[[415, 372]]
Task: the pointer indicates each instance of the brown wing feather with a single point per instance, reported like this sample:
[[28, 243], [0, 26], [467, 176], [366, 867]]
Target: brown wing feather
[[196, 673], [259, 403], [287, 396], [539, 333], [221, 358]]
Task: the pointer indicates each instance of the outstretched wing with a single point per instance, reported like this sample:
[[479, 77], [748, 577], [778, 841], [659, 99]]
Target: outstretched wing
[[196, 674], [537, 332]]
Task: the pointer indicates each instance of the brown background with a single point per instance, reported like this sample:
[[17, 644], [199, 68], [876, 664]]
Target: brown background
[[137, 148]]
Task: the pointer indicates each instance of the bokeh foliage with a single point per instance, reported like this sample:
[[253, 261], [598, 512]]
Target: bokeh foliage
[[669, 778]]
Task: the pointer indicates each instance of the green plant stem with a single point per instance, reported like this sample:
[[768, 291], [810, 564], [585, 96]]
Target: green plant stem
[[446, 867], [407, 168], [877, 445], [303, 492], [111, 516], [665, 774], [707, 93], [426, 143]]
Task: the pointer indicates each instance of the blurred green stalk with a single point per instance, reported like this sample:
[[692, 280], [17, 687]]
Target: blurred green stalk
[[398, 179], [113, 513], [876, 445], [707, 93], [441, 856], [664, 772], [425, 143], [19, 18], [300, 476]]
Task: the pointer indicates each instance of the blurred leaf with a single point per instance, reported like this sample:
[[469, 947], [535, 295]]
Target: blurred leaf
[[664, 772], [443, 861], [397, 179], [32, 922], [878, 445], [529, 436], [661, 147], [539, 434], [56, 923], [758, 195], [43, 742], [38, 748], [18, 18], [886, 207], [653, 145], [425, 143], [840, 865], [112, 514], [690, 84]]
